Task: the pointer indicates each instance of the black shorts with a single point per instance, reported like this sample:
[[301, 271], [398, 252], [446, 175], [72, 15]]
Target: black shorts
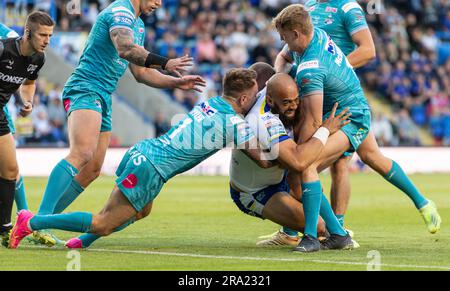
[[4, 125]]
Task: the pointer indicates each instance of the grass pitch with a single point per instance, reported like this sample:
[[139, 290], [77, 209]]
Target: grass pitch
[[194, 225]]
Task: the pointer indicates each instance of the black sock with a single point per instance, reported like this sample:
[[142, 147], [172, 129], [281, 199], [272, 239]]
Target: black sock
[[7, 189]]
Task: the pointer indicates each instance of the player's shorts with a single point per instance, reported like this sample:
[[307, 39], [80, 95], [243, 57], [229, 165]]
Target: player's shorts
[[253, 203], [138, 179], [4, 126], [358, 128], [12, 129], [81, 97]]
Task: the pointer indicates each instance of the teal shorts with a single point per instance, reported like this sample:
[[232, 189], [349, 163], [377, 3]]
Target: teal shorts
[[12, 129], [358, 128], [82, 97], [138, 179]]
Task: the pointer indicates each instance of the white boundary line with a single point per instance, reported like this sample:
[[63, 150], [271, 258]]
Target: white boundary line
[[260, 258], [174, 254]]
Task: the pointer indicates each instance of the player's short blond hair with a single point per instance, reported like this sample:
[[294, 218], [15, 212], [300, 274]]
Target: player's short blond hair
[[294, 17]]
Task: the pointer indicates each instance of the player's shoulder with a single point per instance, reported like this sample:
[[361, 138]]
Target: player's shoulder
[[347, 5], [120, 8], [38, 58]]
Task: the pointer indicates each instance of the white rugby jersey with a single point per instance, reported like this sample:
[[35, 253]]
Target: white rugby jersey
[[269, 130]]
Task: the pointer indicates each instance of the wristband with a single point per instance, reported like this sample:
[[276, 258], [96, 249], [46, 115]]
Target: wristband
[[322, 134], [154, 60]]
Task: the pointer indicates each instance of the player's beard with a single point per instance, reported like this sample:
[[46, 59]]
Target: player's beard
[[288, 122]]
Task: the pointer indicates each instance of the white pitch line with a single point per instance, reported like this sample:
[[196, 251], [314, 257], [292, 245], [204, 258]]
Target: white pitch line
[[261, 259]]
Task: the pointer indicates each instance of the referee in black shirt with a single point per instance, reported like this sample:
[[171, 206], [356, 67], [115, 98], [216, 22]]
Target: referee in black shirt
[[20, 61]]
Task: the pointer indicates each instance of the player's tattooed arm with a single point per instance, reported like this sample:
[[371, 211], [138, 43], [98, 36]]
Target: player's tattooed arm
[[123, 40]]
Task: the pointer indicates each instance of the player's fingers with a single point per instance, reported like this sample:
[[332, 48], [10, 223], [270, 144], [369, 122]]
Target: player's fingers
[[200, 90], [343, 112], [177, 73], [345, 117], [333, 111], [345, 123]]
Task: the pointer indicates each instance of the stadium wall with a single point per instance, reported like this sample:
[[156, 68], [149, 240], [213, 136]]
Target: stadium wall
[[40, 162]]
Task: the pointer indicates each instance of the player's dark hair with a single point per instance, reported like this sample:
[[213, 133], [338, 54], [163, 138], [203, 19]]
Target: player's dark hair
[[36, 18], [264, 72], [238, 80]]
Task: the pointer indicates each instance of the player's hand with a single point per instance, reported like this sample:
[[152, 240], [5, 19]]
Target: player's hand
[[26, 109], [190, 82], [179, 65], [335, 123]]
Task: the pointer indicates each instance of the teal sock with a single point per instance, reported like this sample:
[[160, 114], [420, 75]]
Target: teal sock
[[289, 232], [88, 238], [69, 196], [312, 196], [59, 181], [331, 221], [340, 218], [19, 195], [399, 179], [75, 221]]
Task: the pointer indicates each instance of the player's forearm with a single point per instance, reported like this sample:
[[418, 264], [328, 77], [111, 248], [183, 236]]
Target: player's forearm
[[154, 78], [282, 64], [134, 54], [27, 92], [361, 56]]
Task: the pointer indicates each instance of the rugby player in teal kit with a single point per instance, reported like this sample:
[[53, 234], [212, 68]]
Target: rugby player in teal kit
[[324, 76], [344, 21], [114, 43]]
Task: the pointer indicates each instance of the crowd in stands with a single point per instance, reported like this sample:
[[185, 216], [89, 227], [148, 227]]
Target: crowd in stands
[[411, 71], [47, 123]]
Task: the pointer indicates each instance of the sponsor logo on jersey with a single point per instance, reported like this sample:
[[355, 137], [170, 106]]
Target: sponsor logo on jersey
[[308, 65], [331, 9], [207, 109], [329, 21], [236, 120], [122, 14], [9, 65], [98, 104], [310, 9], [31, 68], [305, 81], [130, 181], [11, 79], [331, 48], [122, 20], [141, 30]]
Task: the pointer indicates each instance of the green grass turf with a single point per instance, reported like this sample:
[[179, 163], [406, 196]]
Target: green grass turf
[[195, 215]]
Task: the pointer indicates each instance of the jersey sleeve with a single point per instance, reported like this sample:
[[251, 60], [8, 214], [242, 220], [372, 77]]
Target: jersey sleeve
[[120, 17], [354, 18], [40, 63], [310, 78], [277, 131]]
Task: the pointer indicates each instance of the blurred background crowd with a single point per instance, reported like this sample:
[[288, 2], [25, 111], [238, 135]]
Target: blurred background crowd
[[410, 78]]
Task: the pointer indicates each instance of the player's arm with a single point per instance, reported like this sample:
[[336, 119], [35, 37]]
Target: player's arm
[[356, 25], [156, 79], [283, 61], [27, 90], [123, 40], [260, 158], [365, 52], [298, 157]]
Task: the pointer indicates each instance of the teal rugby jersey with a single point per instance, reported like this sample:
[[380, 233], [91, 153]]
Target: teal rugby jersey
[[340, 19], [209, 127], [100, 66]]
